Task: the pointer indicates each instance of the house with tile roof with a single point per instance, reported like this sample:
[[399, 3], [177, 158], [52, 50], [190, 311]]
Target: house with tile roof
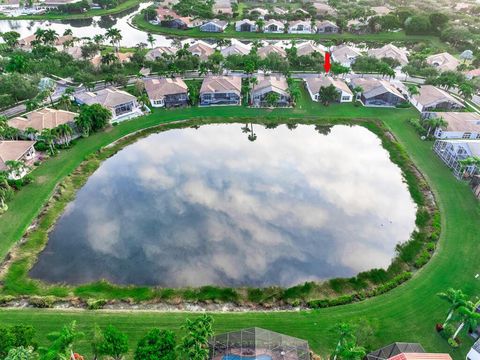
[[405, 351], [459, 125], [274, 26], [123, 105], [237, 48], [246, 25], [390, 51], [169, 18], [166, 92], [221, 90], [41, 119], [327, 27], [214, 25], [264, 51], [443, 61], [160, 52], [267, 84], [313, 85], [345, 55], [308, 48], [431, 98], [201, 49], [22, 151], [301, 27], [377, 92]]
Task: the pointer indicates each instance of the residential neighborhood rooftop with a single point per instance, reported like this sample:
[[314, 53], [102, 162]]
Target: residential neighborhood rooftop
[[159, 87], [13, 150], [42, 119], [109, 97], [218, 83]]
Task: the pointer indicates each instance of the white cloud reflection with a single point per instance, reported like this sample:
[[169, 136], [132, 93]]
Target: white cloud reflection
[[207, 206]]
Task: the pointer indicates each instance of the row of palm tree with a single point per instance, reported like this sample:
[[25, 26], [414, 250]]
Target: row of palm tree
[[461, 310]]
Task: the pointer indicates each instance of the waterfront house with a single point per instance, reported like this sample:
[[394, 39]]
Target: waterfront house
[[459, 125], [452, 152], [308, 48], [257, 343], [27, 43], [260, 11], [390, 51], [9, 4], [122, 104], [377, 92], [270, 84], [264, 51], [41, 119], [201, 49], [169, 18], [237, 48], [405, 351], [443, 62], [214, 25], [300, 27], [246, 25], [323, 9], [345, 55], [166, 92], [274, 26], [120, 57], [22, 151], [221, 90], [431, 98], [327, 27], [222, 7], [160, 52], [313, 85]]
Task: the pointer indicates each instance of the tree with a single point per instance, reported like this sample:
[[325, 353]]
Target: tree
[[30, 133], [328, 94], [15, 168], [68, 32], [5, 194], [48, 137], [109, 58], [92, 118], [150, 39], [418, 25], [114, 343], [347, 348], [65, 132], [61, 343], [468, 315], [272, 98], [11, 38], [194, 345], [115, 37], [434, 123], [156, 345], [467, 90], [455, 298]]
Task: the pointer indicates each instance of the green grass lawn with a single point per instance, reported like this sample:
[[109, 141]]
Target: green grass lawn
[[128, 4], [407, 313], [230, 32]]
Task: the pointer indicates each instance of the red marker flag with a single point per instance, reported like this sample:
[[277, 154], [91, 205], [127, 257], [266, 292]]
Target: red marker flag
[[327, 64]]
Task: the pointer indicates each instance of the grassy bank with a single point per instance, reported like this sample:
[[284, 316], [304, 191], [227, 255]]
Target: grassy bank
[[127, 5], [383, 37], [407, 313]]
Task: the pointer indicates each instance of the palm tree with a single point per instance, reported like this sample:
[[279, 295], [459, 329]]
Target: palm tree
[[328, 94], [3, 126], [39, 34], [413, 90], [468, 315], [5, 192], [150, 39], [68, 32], [115, 37], [272, 98], [109, 58], [143, 99], [356, 91], [48, 136], [435, 123], [31, 133], [65, 101], [65, 132], [15, 168], [98, 39], [50, 36], [252, 136], [260, 23], [84, 124], [466, 90], [455, 298]]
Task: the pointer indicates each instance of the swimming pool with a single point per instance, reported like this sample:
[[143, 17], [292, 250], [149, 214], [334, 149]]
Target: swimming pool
[[238, 357]]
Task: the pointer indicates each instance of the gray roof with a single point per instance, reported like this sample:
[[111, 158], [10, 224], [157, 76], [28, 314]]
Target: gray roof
[[429, 95], [394, 349]]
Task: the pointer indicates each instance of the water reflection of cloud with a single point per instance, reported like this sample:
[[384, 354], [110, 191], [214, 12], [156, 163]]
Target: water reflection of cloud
[[207, 206]]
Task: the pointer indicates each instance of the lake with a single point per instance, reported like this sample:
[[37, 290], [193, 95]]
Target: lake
[[89, 27], [226, 206]]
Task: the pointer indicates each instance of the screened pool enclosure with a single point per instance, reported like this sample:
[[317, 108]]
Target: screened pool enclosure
[[257, 344]]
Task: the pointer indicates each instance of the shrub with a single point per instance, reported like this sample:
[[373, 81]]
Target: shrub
[[422, 259], [338, 284], [409, 250], [299, 291], [430, 246], [94, 304], [376, 276], [422, 219], [448, 331], [453, 343], [42, 302]]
